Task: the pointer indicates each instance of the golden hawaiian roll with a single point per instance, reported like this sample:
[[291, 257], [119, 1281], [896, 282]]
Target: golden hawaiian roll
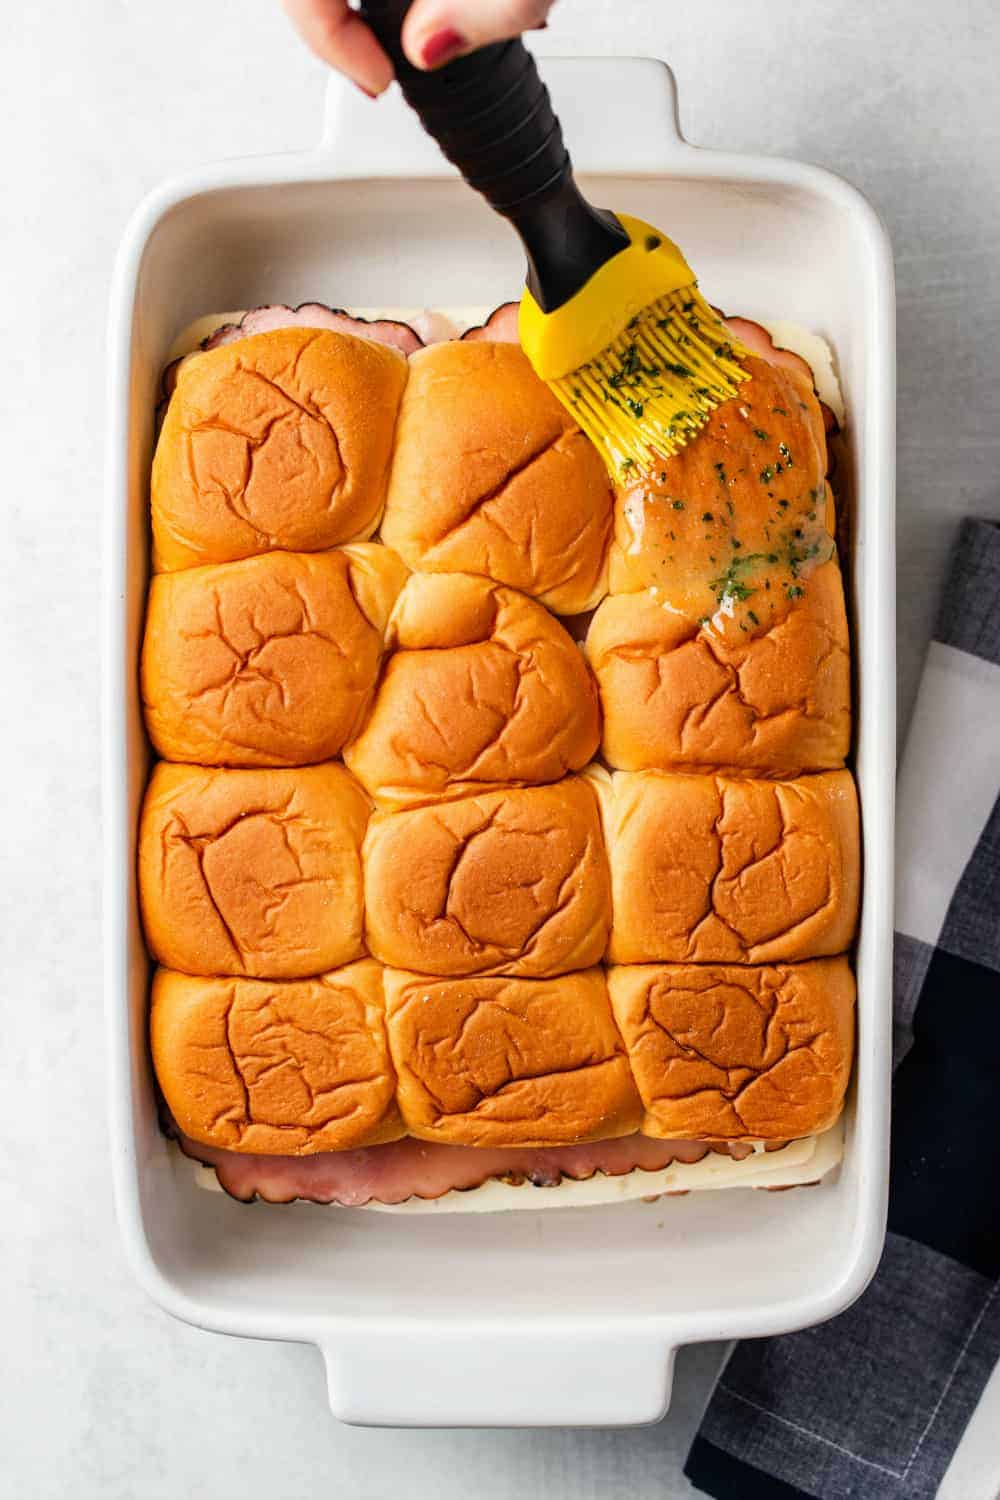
[[729, 1052], [482, 687], [772, 694], [253, 873], [268, 661], [491, 475], [509, 1062], [744, 502], [279, 441], [709, 869], [511, 882], [289, 1067]]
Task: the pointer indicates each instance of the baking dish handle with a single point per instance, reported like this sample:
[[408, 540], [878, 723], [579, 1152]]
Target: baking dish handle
[[362, 139], [418, 1376]]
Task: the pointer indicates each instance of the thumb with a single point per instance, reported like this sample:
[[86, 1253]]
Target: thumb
[[436, 31]]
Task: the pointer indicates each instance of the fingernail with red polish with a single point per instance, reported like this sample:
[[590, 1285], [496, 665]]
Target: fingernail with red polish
[[441, 47]]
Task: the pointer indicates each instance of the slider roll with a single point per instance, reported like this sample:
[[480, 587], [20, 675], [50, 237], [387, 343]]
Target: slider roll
[[271, 661], [721, 1052], [278, 441], [512, 882], [492, 476], [772, 699], [482, 687], [755, 476], [282, 1068], [717, 869], [509, 1062], [253, 873]]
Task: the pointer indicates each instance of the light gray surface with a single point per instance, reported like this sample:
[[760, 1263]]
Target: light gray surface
[[104, 1395]]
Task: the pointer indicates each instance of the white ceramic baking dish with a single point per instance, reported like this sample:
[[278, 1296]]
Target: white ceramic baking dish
[[565, 1317]]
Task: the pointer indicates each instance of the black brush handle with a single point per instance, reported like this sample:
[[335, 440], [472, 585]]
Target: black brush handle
[[491, 115]]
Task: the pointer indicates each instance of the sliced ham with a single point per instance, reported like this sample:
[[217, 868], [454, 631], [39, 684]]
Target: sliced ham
[[168, 380], [757, 339], [315, 315], [500, 327], [422, 1169]]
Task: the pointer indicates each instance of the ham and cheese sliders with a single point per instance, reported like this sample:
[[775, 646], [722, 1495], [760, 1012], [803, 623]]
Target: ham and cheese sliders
[[387, 1006], [493, 1076]]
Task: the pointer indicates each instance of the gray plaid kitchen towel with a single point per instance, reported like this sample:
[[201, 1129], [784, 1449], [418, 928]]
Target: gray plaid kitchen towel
[[872, 1405]]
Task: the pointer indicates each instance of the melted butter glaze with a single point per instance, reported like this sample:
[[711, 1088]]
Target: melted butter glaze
[[733, 524]]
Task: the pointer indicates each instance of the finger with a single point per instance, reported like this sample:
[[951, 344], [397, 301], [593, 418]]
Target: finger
[[339, 37], [435, 31]]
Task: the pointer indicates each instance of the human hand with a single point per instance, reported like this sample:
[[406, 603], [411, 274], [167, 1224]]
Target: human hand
[[435, 32]]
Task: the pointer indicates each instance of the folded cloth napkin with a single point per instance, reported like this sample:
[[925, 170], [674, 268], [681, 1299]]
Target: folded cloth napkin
[[873, 1404]]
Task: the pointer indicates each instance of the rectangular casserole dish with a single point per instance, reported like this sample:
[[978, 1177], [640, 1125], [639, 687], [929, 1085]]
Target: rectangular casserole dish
[[524, 1319]]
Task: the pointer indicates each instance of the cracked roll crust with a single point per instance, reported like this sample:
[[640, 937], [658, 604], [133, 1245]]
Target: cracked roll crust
[[512, 882], [707, 869], [254, 873], [483, 687], [490, 475], [291, 1067], [509, 1062], [676, 692], [721, 1052], [268, 661], [279, 441]]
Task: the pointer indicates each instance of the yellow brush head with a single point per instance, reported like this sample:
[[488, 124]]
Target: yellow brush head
[[637, 355]]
